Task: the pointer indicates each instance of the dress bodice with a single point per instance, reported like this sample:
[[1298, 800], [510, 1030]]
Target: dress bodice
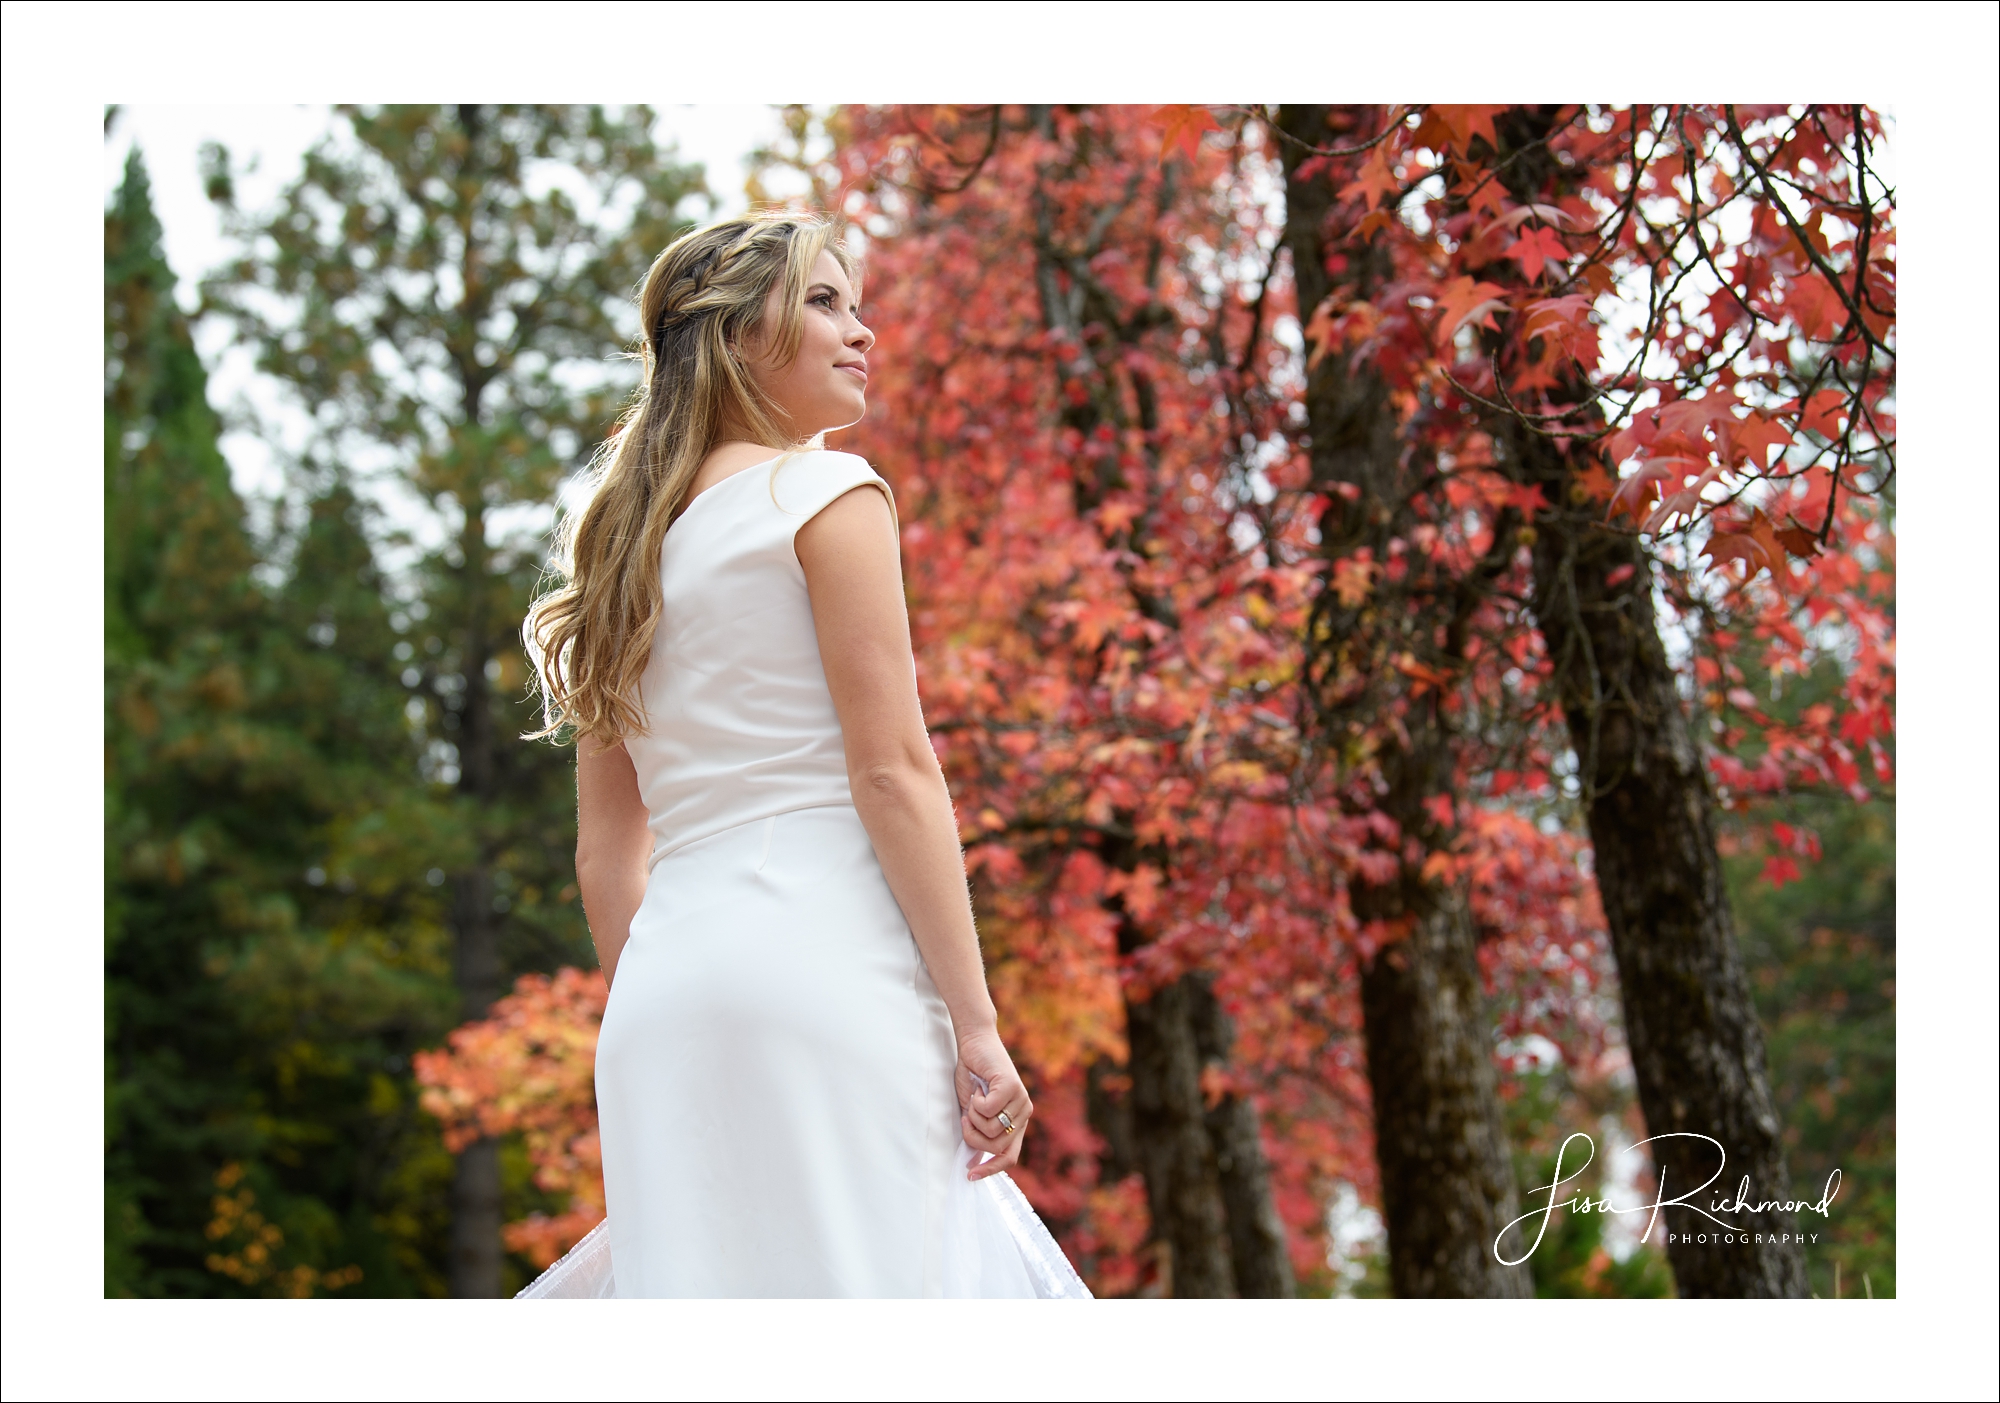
[[739, 723]]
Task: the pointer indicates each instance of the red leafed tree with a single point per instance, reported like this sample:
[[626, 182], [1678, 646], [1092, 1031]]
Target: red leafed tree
[[528, 1069], [1670, 332]]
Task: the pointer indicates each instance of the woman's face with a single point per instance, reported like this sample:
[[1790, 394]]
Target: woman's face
[[826, 385]]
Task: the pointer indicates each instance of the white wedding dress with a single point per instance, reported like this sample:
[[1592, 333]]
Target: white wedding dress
[[774, 1072]]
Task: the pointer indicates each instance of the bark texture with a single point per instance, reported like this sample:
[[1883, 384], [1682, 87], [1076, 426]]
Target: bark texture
[[1697, 1048], [1262, 1266], [1170, 1133], [1207, 1179], [475, 1269], [1447, 1181], [475, 1222], [1447, 1184]]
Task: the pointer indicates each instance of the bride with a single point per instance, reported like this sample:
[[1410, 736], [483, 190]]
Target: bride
[[801, 1086]]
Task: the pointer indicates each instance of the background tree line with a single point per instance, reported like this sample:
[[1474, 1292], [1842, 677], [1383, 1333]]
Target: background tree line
[[327, 850]]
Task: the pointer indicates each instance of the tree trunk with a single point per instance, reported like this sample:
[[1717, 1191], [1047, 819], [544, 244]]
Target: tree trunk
[[1208, 1184], [475, 1192], [1447, 1184], [1176, 1155], [1263, 1266], [475, 1185], [1207, 1180], [1697, 1049], [475, 1222]]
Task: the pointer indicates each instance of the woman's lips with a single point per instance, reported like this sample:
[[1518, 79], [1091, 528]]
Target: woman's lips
[[856, 370]]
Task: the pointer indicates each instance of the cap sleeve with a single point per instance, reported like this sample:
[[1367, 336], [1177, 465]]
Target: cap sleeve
[[803, 485]]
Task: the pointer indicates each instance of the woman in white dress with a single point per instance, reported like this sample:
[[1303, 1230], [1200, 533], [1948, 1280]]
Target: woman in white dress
[[801, 1087]]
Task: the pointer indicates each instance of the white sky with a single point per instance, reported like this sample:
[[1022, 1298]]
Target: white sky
[[272, 141]]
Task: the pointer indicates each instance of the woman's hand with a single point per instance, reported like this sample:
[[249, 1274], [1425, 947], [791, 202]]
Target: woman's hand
[[983, 1058]]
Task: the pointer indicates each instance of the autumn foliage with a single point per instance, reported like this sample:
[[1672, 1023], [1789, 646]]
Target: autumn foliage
[[1707, 312], [528, 1069]]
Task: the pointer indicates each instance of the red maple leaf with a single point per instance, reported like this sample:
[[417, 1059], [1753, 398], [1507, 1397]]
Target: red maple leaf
[[1376, 178], [1799, 540], [1486, 196], [1756, 436], [1181, 126], [1780, 870], [1595, 482], [1752, 542], [1320, 333], [1464, 122], [1687, 499], [1636, 493], [1565, 320], [1822, 414], [1536, 249], [1539, 375], [1370, 222], [1462, 300], [1521, 214]]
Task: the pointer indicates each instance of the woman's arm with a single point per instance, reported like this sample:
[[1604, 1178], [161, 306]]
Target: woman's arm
[[612, 844], [854, 575]]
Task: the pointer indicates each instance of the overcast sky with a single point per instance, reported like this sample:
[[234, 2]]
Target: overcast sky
[[273, 140]]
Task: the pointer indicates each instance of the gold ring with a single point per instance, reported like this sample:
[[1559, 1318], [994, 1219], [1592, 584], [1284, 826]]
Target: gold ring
[[1006, 1122]]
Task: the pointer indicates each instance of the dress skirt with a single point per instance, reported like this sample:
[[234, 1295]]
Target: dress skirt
[[774, 1086]]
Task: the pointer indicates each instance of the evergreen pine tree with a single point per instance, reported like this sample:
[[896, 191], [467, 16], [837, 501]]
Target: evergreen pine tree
[[180, 617], [260, 1135]]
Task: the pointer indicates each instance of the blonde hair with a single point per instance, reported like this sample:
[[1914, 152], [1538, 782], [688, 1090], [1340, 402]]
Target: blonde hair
[[591, 636]]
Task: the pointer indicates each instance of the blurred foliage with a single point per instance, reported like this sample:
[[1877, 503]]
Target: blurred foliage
[[257, 1049], [1821, 955], [445, 290], [1576, 1257]]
